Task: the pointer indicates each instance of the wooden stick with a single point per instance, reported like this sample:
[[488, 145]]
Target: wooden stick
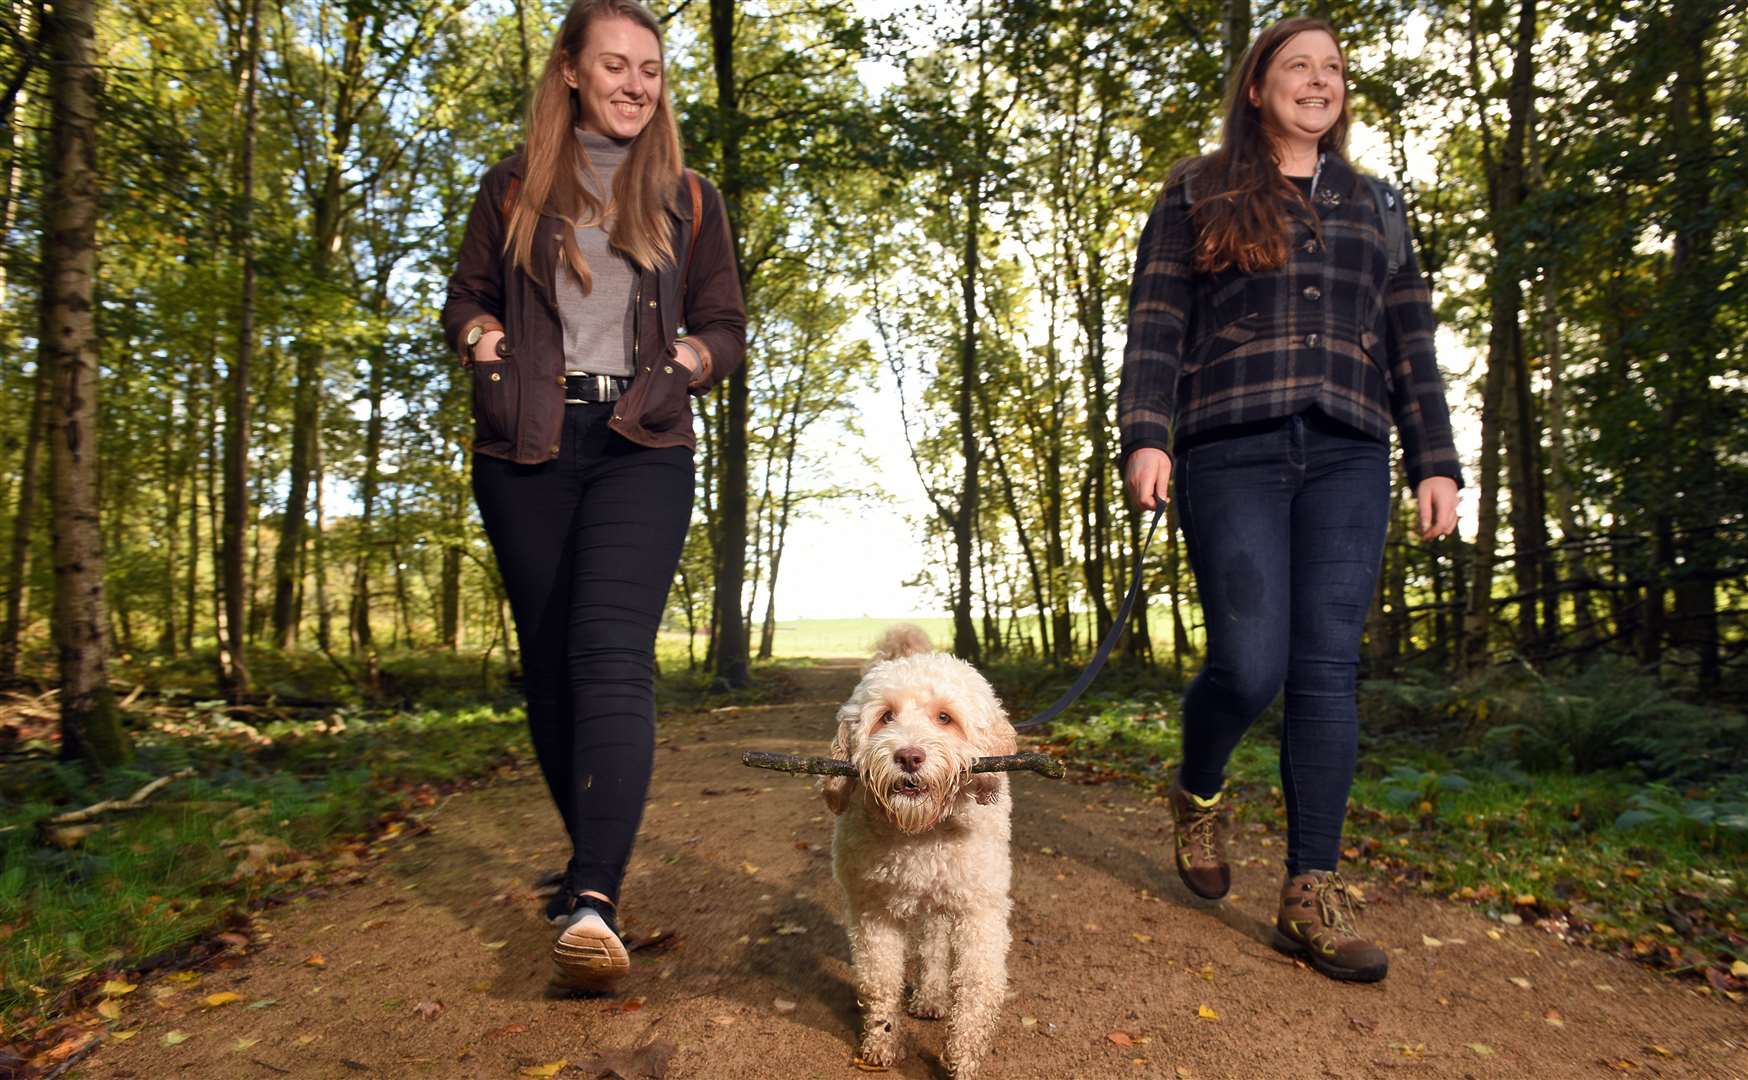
[[1042, 764], [132, 802]]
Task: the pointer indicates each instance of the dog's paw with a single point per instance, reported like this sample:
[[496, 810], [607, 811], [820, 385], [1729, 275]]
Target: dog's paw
[[927, 1006], [961, 1069], [880, 1044]]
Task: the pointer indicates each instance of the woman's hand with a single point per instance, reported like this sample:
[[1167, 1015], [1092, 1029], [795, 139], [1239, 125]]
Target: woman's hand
[[486, 349], [1147, 476], [1438, 506]]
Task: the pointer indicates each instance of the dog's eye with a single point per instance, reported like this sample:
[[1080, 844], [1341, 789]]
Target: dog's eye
[[944, 718], [886, 717]]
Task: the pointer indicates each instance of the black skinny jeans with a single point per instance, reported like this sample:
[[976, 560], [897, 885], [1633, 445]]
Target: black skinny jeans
[[587, 545], [1285, 528]]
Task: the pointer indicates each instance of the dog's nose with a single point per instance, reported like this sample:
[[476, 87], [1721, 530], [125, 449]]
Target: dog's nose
[[910, 758]]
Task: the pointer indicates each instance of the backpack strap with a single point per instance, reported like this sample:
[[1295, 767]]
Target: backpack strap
[[1395, 219], [697, 192]]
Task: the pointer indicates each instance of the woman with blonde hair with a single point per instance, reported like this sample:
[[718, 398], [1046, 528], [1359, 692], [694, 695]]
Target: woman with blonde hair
[[583, 257], [1279, 328]]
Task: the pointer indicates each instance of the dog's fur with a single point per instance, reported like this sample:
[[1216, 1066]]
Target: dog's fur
[[922, 855]]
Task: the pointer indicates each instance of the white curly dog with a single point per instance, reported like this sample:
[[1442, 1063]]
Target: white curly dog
[[921, 846]]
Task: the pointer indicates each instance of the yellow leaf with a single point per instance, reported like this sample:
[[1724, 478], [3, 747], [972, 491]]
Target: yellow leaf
[[1207, 1014], [1739, 969], [110, 1010], [1481, 1049], [116, 988], [1658, 1050], [213, 1001], [1524, 899], [748, 868], [496, 944], [1520, 982], [175, 1038], [316, 959], [1430, 941], [245, 1043], [1142, 938], [1121, 1038], [185, 977], [549, 1069], [124, 1036]]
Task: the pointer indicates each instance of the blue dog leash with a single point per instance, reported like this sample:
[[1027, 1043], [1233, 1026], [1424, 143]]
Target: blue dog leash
[[1110, 642]]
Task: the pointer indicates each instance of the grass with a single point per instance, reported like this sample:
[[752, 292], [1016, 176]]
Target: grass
[[1556, 847]]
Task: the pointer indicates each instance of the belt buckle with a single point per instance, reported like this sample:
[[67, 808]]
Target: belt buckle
[[604, 388]]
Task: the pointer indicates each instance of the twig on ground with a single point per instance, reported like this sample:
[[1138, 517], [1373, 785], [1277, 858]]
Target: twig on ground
[[1042, 764], [132, 802]]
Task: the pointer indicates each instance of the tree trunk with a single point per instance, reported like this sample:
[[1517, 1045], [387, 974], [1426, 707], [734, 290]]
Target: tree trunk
[[1236, 39], [729, 651], [90, 722], [233, 652], [23, 525]]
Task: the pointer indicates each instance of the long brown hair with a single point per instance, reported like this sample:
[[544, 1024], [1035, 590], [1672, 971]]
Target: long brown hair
[[637, 225], [1241, 198]]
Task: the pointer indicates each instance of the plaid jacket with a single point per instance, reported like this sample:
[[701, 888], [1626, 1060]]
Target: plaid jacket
[[1326, 329]]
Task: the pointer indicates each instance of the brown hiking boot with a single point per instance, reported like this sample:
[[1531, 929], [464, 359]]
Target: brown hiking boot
[[1317, 923], [1201, 842]]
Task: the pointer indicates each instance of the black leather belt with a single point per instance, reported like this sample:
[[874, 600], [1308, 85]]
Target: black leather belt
[[583, 389]]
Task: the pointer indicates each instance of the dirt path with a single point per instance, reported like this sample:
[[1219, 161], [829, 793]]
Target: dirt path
[[755, 981]]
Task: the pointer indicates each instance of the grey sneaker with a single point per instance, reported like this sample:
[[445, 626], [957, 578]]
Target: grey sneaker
[[588, 953]]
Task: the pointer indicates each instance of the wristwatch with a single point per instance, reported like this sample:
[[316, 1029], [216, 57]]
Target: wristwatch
[[474, 333]]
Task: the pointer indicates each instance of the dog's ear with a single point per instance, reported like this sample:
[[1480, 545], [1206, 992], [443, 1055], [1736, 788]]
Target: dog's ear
[[838, 789], [1003, 739]]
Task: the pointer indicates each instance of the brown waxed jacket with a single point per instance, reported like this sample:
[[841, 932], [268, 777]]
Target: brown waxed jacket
[[518, 400]]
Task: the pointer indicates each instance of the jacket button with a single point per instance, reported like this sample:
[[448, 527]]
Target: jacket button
[[554, 450], [1312, 292], [652, 303], [495, 376], [561, 380], [1312, 341], [616, 416], [667, 369], [1311, 246]]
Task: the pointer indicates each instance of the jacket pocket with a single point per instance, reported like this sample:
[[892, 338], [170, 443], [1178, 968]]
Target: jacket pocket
[[666, 405], [495, 402], [1372, 346], [1221, 342]]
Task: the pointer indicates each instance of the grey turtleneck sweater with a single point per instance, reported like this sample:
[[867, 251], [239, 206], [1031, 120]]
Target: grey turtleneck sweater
[[598, 327]]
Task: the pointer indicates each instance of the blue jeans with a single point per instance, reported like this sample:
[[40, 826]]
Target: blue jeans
[[1285, 528]]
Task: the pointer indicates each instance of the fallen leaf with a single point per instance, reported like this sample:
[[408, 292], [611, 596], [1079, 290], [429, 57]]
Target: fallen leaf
[[1603, 987], [1430, 942], [495, 944], [316, 959], [1520, 982], [124, 1036], [1495, 935], [305, 1040], [1481, 1049], [549, 1069], [506, 1031], [1184, 1073], [1525, 900], [748, 869], [245, 1043], [175, 1038], [1658, 1050], [116, 988], [213, 1001], [1142, 938], [783, 1006], [1739, 969], [1206, 1013], [1028, 1021], [185, 977], [1553, 1017], [264, 1003], [1121, 1038], [428, 1009], [110, 1010]]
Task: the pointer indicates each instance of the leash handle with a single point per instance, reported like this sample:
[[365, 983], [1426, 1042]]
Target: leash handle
[[1098, 661]]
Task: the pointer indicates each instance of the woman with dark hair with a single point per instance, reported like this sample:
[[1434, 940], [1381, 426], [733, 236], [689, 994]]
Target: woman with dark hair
[[583, 256], [1278, 328]]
